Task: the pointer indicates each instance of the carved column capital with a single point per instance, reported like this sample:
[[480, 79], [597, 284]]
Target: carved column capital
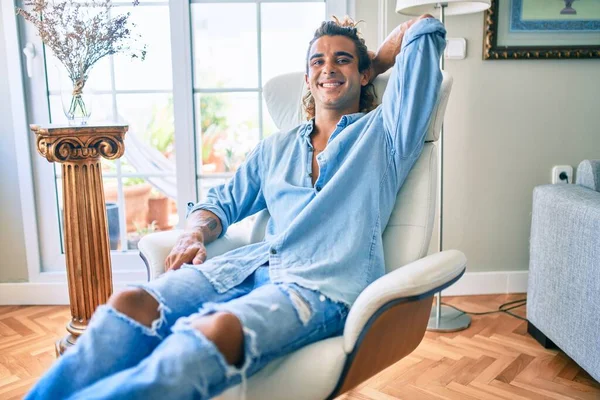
[[67, 144]]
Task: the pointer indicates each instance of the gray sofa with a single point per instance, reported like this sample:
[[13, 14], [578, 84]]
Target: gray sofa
[[563, 294]]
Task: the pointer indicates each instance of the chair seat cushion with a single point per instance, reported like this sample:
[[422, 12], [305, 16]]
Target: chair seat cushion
[[309, 373]]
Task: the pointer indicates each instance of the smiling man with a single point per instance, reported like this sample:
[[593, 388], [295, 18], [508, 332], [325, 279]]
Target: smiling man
[[329, 185]]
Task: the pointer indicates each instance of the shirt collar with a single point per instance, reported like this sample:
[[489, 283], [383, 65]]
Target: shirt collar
[[346, 120], [349, 119], [307, 128]]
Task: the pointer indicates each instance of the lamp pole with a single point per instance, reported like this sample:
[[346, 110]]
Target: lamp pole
[[450, 320]]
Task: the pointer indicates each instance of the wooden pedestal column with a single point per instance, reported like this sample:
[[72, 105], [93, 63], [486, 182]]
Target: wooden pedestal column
[[87, 249]]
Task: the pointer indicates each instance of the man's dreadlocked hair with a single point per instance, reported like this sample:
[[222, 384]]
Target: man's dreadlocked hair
[[347, 28]]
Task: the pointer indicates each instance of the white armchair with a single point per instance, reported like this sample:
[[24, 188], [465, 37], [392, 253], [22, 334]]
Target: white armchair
[[389, 318]]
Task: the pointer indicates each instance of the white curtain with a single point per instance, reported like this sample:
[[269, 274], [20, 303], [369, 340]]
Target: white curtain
[[145, 158]]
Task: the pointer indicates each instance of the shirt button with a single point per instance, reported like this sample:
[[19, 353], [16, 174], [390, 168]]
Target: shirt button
[[318, 188], [273, 251]]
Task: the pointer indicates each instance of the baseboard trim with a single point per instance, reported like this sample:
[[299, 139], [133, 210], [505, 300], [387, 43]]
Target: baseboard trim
[[52, 288], [472, 283], [29, 293]]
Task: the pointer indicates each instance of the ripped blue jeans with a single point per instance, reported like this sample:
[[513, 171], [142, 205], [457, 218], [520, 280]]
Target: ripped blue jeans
[[118, 358]]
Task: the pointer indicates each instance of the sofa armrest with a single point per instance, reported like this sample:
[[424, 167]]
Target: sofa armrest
[[564, 253], [423, 277], [155, 248], [564, 271], [588, 174]]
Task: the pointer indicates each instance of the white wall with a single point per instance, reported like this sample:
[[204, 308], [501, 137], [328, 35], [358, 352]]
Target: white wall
[[13, 266], [507, 124], [367, 11]]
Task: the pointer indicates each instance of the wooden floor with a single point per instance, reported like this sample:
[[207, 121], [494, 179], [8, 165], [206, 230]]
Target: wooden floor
[[493, 359]]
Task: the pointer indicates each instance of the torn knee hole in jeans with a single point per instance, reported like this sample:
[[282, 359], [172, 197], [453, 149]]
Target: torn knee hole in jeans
[[249, 336], [250, 350], [162, 310], [301, 305]]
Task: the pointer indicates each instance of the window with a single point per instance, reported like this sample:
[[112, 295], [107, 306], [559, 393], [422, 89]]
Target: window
[[194, 109], [139, 188], [236, 48]]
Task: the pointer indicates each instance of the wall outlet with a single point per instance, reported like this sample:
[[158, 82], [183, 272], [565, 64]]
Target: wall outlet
[[557, 170], [456, 49]]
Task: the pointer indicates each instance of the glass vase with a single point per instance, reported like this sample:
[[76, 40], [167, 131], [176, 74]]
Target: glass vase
[[76, 99]]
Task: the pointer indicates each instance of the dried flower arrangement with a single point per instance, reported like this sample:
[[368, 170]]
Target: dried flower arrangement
[[80, 34]]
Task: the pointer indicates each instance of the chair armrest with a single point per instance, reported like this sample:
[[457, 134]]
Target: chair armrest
[[423, 277], [155, 248]]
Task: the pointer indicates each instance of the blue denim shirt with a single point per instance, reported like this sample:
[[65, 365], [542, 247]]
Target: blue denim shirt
[[328, 237]]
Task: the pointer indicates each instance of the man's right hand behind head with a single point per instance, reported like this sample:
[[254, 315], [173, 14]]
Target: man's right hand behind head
[[189, 249], [385, 57]]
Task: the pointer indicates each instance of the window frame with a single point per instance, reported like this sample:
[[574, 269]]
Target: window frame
[[45, 260]]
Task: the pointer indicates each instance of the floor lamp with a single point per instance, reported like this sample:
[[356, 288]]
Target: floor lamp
[[443, 319]]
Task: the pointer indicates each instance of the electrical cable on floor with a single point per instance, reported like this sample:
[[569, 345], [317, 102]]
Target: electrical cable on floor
[[501, 308]]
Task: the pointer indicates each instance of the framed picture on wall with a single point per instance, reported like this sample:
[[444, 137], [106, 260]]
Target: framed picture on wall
[[529, 29]]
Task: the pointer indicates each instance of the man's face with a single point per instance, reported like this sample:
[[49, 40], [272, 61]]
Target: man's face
[[333, 76]]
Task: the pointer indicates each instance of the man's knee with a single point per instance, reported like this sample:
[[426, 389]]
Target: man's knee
[[136, 304], [226, 332]]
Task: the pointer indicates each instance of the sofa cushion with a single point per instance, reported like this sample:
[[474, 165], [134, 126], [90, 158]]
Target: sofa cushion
[[588, 174]]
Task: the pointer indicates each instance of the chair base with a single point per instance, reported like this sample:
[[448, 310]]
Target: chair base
[[450, 320]]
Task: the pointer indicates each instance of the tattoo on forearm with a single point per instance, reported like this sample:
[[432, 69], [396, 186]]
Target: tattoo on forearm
[[205, 222], [212, 224]]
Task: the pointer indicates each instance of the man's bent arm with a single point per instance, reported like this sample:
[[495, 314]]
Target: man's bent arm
[[413, 87], [385, 57], [205, 224], [240, 197], [224, 205]]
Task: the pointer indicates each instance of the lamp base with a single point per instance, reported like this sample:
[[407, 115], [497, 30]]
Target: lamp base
[[450, 320]]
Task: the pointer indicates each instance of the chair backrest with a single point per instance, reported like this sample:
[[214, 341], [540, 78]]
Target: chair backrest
[[408, 233]]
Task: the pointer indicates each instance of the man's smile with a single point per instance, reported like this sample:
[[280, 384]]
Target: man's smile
[[330, 84]]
